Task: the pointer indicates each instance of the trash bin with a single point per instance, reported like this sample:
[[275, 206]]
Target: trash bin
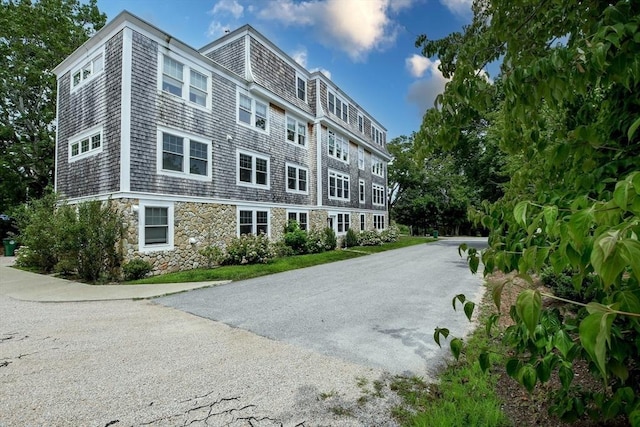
[[9, 247], [435, 234]]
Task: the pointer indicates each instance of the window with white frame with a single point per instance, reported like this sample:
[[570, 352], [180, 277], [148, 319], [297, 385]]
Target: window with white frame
[[361, 158], [87, 71], [301, 217], [183, 155], [342, 222], [253, 169], [337, 106], [296, 131], [360, 123], [297, 177], [362, 222], [301, 88], [155, 226], [338, 185], [378, 222], [377, 167], [253, 221], [86, 144], [376, 135], [185, 81], [361, 191], [338, 147], [252, 112], [378, 195]]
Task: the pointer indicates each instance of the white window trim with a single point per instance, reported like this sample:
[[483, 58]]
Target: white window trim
[[187, 66], [84, 135], [89, 61], [344, 146], [253, 209], [363, 222], [185, 154], [362, 190], [377, 166], [306, 86], [254, 155], [334, 216], [380, 188], [376, 220], [344, 104], [298, 212], [298, 123], [360, 119], [254, 99], [345, 176], [360, 158], [141, 226], [286, 178]]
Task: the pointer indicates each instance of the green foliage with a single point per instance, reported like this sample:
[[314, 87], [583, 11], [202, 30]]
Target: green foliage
[[35, 36], [82, 239], [566, 117], [136, 269], [213, 254], [369, 238], [295, 238], [330, 241], [350, 239], [248, 249], [315, 241]]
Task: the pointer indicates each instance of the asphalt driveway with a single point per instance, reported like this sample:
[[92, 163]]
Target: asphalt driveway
[[378, 311]]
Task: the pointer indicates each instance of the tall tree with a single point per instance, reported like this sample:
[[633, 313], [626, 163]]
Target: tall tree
[[35, 36], [568, 123]]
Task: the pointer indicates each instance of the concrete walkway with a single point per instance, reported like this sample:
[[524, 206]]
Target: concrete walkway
[[25, 286]]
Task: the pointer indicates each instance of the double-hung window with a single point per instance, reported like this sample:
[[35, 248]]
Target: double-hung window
[[155, 226], [301, 88], [183, 155], [360, 123], [296, 132], [338, 107], [86, 144], [378, 195], [87, 71], [252, 112], [376, 135], [343, 222], [361, 191], [301, 217], [338, 147], [188, 82], [297, 177], [338, 185], [377, 167], [361, 158], [378, 222], [253, 169], [362, 222], [253, 221]]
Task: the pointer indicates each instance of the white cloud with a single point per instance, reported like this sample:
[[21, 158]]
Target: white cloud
[[423, 92], [228, 7], [216, 29], [326, 72], [461, 8], [300, 56], [354, 26], [418, 65]]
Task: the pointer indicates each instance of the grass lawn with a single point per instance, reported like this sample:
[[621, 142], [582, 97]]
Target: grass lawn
[[242, 272]]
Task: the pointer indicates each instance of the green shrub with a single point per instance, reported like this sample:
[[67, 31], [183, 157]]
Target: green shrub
[[248, 249], [136, 269], [281, 250], [350, 239], [369, 238], [330, 242], [315, 241], [214, 255], [563, 284], [37, 223], [390, 234], [295, 238]]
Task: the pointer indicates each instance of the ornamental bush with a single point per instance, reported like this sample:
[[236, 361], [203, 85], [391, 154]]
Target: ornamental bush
[[369, 238], [136, 269], [350, 239], [248, 249]]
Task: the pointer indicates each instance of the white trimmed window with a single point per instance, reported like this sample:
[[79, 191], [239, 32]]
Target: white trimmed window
[[297, 179], [252, 112], [376, 135], [155, 226], [87, 71], [296, 131], [183, 155], [378, 222], [301, 217], [301, 88], [361, 158], [86, 144], [361, 191], [338, 147], [337, 106], [253, 221], [378, 195], [188, 82], [252, 169], [377, 167], [360, 123], [338, 185], [362, 222], [342, 223]]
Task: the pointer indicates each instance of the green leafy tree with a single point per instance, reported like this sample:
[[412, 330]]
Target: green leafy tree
[[567, 121], [35, 36]]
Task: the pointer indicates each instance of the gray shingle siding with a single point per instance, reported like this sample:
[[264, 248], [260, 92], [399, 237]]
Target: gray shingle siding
[[230, 56], [96, 102]]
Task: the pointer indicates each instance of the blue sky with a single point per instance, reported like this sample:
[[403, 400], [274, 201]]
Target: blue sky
[[365, 46]]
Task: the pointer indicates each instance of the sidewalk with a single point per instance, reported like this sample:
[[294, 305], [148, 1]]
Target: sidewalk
[[25, 286]]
